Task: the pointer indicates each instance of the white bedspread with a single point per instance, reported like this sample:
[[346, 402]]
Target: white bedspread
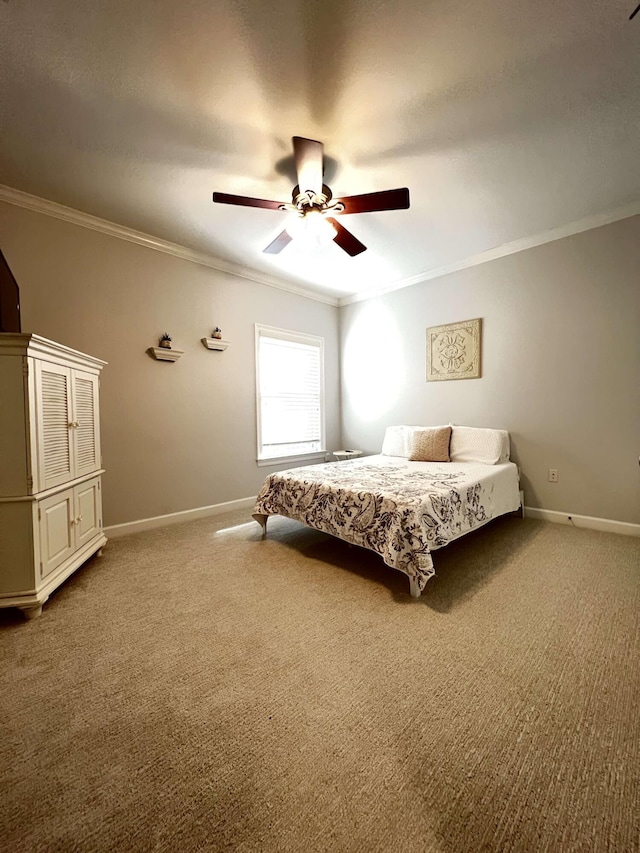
[[401, 510]]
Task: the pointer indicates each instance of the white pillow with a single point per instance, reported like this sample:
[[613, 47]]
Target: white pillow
[[397, 441], [474, 444]]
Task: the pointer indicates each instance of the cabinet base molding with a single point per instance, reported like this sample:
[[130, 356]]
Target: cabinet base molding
[[31, 602]]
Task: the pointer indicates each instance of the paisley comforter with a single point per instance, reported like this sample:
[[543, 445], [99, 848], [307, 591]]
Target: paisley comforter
[[401, 510]]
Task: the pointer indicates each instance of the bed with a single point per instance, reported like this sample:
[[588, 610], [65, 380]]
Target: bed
[[401, 507]]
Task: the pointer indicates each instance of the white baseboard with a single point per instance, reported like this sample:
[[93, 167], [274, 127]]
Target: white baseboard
[[605, 524], [177, 517]]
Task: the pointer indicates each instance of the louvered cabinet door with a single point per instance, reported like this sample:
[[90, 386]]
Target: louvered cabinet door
[[54, 418], [85, 434]]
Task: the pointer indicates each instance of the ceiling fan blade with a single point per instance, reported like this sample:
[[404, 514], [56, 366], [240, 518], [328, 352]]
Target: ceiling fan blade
[[245, 201], [369, 202], [345, 239], [276, 246], [308, 157]]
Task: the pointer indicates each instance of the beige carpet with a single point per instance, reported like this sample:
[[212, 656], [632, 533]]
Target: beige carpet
[[198, 688]]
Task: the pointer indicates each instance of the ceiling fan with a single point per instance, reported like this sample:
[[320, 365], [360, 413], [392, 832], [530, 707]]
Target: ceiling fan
[[314, 206]]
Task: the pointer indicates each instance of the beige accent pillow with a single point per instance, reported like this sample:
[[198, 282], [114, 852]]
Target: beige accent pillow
[[430, 445]]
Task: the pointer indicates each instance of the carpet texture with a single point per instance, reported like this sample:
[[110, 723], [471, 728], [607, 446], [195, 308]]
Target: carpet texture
[[199, 688]]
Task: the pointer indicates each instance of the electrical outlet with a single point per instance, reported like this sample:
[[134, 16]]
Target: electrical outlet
[[553, 475]]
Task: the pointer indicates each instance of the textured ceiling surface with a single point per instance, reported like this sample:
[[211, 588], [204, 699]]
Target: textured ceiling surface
[[505, 119]]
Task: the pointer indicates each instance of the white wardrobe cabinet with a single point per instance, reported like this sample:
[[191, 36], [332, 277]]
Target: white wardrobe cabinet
[[50, 467]]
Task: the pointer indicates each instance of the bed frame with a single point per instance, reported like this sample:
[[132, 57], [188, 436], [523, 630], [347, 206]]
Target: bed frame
[[403, 510]]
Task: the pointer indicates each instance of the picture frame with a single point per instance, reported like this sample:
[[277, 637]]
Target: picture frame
[[454, 351]]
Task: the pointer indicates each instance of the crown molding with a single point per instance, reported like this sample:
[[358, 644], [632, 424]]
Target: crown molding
[[521, 245], [104, 226]]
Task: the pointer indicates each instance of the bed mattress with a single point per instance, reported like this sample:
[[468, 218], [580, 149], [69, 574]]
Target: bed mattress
[[402, 510]]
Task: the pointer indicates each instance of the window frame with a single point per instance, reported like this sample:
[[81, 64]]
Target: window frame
[[299, 338]]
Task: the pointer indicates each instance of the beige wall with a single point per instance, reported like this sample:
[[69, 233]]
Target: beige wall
[[561, 366], [174, 436], [561, 362]]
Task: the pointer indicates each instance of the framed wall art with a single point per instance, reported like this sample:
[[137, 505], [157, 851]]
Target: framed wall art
[[453, 351]]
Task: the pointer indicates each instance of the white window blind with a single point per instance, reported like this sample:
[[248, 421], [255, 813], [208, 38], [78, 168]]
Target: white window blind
[[289, 380]]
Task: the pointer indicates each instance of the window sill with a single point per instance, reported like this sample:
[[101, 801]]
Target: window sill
[[316, 456]]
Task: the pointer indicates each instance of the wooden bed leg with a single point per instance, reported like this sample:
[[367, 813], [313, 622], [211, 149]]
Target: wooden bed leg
[[414, 589], [262, 521]]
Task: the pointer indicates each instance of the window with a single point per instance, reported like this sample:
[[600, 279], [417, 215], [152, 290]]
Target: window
[[290, 392]]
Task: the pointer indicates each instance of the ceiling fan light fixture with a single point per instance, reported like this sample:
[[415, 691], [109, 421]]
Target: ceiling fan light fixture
[[312, 228], [312, 209]]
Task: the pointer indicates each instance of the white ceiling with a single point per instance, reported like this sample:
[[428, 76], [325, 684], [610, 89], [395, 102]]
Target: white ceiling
[[505, 119]]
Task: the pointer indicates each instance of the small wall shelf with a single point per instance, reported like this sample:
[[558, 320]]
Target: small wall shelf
[[215, 343], [165, 354]]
